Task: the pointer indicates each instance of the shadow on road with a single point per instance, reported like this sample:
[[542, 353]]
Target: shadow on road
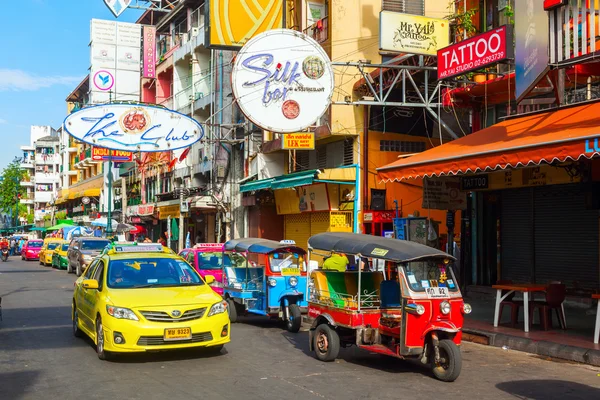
[[13, 385], [25, 271], [163, 356], [545, 389]]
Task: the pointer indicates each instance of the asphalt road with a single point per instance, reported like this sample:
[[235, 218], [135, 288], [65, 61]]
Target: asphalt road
[[40, 359]]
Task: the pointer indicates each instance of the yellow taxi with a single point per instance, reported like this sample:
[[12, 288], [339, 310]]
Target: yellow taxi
[[60, 258], [47, 250], [136, 298]]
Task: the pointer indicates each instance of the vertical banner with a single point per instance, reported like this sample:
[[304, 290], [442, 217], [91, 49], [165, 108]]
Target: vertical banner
[[149, 63], [233, 22], [531, 36]]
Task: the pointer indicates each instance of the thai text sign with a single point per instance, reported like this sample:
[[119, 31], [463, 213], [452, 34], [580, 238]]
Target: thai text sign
[[475, 53], [299, 141], [406, 33], [133, 127], [102, 154], [443, 194], [168, 211], [233, 22], [283, 81], [149, 54]]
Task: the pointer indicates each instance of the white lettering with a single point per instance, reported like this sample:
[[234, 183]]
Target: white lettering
[[499, 42], [485, 47]]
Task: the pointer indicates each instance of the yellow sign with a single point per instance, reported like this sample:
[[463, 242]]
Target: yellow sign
[[525, 177], [234, 22], [406, 33], [299, 141], [165, 212], [290, 271]]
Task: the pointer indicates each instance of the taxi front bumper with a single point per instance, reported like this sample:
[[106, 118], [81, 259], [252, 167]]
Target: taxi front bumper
[[140, 336]]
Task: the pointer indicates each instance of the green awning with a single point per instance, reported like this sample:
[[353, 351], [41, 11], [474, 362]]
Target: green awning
[[256, 185], [294, 180], [37, 228]]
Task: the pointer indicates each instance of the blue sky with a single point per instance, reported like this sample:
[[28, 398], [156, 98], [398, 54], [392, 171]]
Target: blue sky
[[45, 55]]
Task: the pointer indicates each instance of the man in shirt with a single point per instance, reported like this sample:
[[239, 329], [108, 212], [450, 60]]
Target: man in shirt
[[337, 262]]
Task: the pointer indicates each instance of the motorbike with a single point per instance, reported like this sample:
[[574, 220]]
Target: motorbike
[[5, 253]]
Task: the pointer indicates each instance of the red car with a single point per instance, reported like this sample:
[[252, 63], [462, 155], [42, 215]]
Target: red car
[[31, 249], [207, 259]]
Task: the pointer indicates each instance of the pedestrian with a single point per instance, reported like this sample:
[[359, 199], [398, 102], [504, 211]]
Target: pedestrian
[[148, 240], [13, 246], [162, 240]]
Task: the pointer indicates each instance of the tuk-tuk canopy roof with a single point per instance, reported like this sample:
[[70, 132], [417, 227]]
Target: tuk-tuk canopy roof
[[373, 247], [259, 246]]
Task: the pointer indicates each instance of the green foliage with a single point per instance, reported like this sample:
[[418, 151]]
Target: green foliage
[[463, 21], [509, 13], [61, 215], [30, 218], [12, 175]]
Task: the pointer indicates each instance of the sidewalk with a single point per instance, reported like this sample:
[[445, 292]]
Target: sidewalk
[[574, 344]]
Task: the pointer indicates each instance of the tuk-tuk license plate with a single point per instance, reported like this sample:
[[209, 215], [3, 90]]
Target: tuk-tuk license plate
[[437, 292], [290, 271], [178, 334]]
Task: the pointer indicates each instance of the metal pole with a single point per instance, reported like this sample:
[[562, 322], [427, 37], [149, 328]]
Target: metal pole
[[168, 231], [123, 199], [181, 193], [17, 203], [109, 230]]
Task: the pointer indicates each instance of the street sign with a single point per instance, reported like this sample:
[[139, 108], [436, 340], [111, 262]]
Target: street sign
[[117, 6], [299, 141], [102, 154], [133, 127], [85, 200]]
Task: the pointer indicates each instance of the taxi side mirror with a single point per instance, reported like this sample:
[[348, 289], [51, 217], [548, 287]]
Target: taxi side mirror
[[209, 279], [90, 284]]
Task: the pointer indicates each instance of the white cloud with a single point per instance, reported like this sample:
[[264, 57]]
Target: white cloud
[[3, 121], [18, 80]]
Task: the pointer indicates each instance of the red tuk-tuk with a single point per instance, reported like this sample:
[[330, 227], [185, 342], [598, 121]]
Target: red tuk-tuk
[[401, 300]]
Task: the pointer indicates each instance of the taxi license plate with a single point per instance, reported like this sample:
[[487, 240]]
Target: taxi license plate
[[290, 271], [178, 334]]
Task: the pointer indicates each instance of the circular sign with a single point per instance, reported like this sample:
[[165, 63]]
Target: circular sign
[[104, 80], [85, 200], [282, 80]]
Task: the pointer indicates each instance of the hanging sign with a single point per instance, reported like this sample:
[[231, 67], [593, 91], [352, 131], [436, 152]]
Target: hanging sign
[[133, 127], [102, 154], [475, 53], [117, 6], [299, 141], [149, 52], [407, 33], [283, 81]]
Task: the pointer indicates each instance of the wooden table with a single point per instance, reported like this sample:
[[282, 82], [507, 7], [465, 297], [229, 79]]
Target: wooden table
[[526, 288], [597, 330]]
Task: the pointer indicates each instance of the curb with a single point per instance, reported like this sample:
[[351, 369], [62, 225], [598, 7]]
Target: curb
[[541, 348]]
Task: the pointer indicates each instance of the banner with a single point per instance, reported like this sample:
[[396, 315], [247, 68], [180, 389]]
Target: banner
[[299, 141], [475, 52], [102, 154], [149, 62], [531, 34], [232, 23], [407, 33]]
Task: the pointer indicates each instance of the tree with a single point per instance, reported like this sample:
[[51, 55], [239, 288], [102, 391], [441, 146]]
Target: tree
[[12, 175]]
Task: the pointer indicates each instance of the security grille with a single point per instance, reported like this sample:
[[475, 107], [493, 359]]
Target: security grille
[[404, 6], [400, 146]]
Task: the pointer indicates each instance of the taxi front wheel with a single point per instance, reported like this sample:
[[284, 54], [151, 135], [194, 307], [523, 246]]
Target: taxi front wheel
[[78, 269], [294, 320], [76, 331], [326, 343], [232, 310], [450, 363], [102, 354]]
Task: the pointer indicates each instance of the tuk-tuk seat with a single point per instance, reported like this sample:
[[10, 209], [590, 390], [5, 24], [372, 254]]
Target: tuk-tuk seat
[[341, 288], [390, 294]]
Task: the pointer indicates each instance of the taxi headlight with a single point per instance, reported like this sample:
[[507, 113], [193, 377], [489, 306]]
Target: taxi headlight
[[121, 313], [272, 282], [420, 309], [218, 308], [467, 308], [445, 307], [293, 281]]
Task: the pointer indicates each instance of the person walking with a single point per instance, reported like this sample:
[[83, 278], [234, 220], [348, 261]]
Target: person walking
[[13, 246]]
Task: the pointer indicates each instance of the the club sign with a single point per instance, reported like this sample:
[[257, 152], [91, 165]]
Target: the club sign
[[475, 53], [133, 127]]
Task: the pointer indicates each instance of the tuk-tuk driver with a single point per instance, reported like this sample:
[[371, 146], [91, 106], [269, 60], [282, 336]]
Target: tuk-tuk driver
[[336, 262]]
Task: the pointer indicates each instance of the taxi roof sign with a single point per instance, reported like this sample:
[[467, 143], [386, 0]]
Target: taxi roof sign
[[210, 245], [288, 242], [145, 248]]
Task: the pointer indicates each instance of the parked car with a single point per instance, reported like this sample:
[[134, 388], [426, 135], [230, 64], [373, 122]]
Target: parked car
[[59, 258], [207, 259], [31, 249], [47, 250], [82, 250]]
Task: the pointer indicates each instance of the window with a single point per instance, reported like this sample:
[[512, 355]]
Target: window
[[52, 245], [94, 244], [98, 274], [151, 272], [404, 6], [428, 274], [277, 261], [89, 271], [400, 146]]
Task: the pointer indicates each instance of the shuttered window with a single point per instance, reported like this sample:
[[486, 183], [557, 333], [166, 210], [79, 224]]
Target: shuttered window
[[404, 6]]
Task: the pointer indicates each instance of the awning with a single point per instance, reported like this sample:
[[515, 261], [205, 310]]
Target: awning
[[92, 192], [256, 185], [38, 228], [566, 134], [294, 180]]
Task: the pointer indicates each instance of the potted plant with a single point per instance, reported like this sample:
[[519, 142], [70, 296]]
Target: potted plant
[[463, 22]]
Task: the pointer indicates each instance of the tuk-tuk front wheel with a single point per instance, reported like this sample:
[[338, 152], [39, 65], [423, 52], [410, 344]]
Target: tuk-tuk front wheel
[[326, 343], [294, 318], [232, 310], [449, 365]]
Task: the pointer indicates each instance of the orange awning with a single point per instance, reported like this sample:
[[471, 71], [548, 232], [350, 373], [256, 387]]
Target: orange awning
[[565, 134]]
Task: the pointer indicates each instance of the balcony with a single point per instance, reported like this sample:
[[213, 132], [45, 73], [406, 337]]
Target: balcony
[[168, 102], [319, 31], [47, 159], [27, 163], [27, 182], [26, 200], [183, 99]]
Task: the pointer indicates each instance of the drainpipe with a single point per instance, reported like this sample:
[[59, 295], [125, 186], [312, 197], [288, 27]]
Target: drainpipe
[[365, 150]]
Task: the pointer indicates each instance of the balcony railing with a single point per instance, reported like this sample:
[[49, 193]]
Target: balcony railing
[[168, 102], [183, 98], [319, 30]]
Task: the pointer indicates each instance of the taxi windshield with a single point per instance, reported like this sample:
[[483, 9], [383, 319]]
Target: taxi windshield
[[214, 260], [34, 244], [65, 247], [429, 274], [277, 261], [52, 245], [94, 244], [151, 272]]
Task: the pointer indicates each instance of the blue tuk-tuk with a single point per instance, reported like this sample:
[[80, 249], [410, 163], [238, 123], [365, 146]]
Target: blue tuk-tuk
[[267, 278]]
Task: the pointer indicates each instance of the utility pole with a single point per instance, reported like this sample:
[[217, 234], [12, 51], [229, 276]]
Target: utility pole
[[183, 192], [123, 198]]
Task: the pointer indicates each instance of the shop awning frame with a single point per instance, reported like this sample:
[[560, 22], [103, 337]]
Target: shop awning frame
[[565, 134], [256, 185]]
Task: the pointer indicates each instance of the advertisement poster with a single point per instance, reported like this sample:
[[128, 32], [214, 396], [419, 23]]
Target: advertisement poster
[[443, 194], [531, 37], [234, 22], [314, 198], [299, 141], [407, 33], [149, 54]]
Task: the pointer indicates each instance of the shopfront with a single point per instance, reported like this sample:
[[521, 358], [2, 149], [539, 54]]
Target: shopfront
[[533, 197]]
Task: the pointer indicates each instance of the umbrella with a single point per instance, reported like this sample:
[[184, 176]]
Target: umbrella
[[59, 226], [78, 231], [103, 223], [124, 227], [138, 230]]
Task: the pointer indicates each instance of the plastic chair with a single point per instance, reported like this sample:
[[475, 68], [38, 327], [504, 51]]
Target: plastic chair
[[509, 302], [555, 296]]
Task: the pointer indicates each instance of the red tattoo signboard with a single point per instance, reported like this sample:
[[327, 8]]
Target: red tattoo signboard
[[475, 53]]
